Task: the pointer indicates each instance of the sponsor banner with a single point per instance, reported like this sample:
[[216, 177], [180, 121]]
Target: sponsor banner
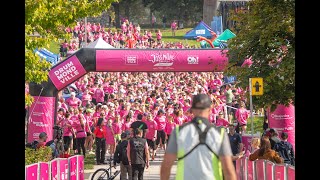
[[291, 173], [239, 169], [279, 171], [283, 120], [250, 169], [42, 117], [269, 170], [260, 170], [246, 141], [65, 73], [44, 171], [54, 170], [161, 60], [63, 168], [32, 172], [80, 166], [73, 174]]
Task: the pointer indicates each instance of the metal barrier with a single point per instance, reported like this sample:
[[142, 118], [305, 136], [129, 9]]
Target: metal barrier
[[71, 168], [263, 170]]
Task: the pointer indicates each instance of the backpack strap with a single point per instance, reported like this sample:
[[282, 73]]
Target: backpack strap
[[202, 139]]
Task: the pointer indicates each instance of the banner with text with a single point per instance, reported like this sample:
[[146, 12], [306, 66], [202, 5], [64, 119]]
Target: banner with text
[[42, 117], [67, 72], [32, 172], [161, 60], [80, 167], [73, 174], [54, 169], [63, 168], [283, 120], [44, 171]]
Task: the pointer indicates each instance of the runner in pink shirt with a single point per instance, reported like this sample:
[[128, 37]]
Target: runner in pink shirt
[[161, 122], [89, 130], [242, 114], [79, 124], [110, 139], [66, 125], [179, 119], [221, 121], [117, 128], [86, 98], [73, 101], [170, 125], [127, 123], [99, 94], [151, 135]]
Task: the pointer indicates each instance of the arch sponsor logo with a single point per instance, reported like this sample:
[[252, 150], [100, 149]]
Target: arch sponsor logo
[[193, 59], [165, 59], [281, 116], [131, 60]]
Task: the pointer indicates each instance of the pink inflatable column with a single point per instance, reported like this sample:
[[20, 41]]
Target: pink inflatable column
[[283, 120]]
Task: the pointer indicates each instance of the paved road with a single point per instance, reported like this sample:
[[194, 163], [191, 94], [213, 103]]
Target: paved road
[[152, 173]]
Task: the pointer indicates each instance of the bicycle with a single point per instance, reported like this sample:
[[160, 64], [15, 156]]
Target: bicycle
[[105, 173]]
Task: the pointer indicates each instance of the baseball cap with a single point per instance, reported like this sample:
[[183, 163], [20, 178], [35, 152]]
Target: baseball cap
[[201, 101]]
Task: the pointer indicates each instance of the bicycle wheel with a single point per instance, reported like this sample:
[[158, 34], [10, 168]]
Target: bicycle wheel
[[100, 174]]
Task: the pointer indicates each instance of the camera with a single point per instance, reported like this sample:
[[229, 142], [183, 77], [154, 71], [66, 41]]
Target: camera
[[58, 132]]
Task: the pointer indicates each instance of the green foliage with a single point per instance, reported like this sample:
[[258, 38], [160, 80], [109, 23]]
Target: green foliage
[[89, 161], [40, 155], [266, 33], [49, 19]]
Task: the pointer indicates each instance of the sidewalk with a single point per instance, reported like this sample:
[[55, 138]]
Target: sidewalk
[[152, 173]]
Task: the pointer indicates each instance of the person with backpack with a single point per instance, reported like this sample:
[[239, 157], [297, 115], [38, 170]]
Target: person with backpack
[[285, 149], [138, 154], [199, 146], [120, 156]]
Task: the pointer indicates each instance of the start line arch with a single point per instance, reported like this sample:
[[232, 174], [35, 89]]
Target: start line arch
[[43, 110]]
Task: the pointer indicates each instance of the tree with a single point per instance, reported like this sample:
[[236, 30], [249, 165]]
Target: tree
[[266, 34], [49, 19]]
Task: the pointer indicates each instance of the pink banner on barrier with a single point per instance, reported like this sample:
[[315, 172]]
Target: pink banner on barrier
[[63, 168], [250, 170], [44, 171], [239, 168], [32, 172], [163, 60], [291, 173], [65, 73], [81, 167], [246, 139], [260, 169], [54, 169], [269, 170], [73, 168], [244, 167], [279, 172], [283, 120], [41, 119]]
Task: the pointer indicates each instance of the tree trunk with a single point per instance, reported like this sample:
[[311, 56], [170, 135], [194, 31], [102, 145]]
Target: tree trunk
[[209, 10], [117, 14]]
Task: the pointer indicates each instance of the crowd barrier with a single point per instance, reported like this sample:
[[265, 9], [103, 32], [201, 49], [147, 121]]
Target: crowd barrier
[[263, 170], [71, 168]]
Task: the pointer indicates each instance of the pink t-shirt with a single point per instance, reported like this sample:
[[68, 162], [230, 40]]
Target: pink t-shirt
[[85, 98], [152, 127], [73, 102], [169, 127], [110, 137], [81, 133], [242, 115], [179, 120], [159, 36], [99, 95], [126, 126], [90, 122], [117, 127], [161, 122], [222, 122], [66, 130]]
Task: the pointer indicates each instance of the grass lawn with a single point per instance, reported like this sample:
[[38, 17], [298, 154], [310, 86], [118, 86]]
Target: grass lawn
[[167, 37], [89, 161], [54, 47]]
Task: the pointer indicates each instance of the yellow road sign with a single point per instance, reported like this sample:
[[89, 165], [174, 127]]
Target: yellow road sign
[[257, 86]]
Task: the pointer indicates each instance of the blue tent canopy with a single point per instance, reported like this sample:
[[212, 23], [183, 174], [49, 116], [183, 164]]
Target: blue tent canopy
[[47, 55], [202, 29]]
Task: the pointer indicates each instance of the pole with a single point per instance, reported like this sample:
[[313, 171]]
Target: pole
[[251, 107], [85, 32]]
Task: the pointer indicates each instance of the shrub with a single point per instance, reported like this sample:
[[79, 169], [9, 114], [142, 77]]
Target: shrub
[[40, 155]]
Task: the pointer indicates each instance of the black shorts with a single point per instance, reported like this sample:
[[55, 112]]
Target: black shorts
[[161, 134], [67, 140], [88, 134], [151, 144]]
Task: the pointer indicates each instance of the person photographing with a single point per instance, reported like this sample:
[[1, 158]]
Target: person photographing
[[199, 144]]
